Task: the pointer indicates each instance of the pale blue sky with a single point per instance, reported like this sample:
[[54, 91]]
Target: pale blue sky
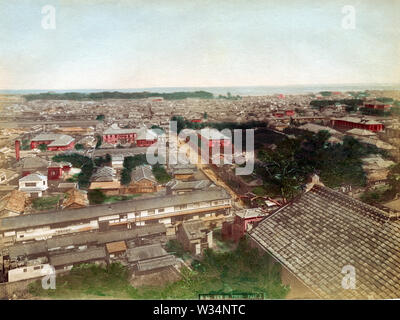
[[137, 44]]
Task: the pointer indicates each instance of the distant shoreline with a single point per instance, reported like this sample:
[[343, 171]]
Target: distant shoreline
[[239, 90]]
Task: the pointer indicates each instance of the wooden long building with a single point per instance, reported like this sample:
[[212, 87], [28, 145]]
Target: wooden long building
[[213, 204]]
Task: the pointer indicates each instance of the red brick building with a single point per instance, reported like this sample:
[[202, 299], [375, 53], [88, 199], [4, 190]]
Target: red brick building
[[244, 221], [54, 142], [115, 135], [142, 137], [146, 137], [351, 123], [377, 106]]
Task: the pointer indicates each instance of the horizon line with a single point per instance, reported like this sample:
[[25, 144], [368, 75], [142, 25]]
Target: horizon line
[[219, 86]]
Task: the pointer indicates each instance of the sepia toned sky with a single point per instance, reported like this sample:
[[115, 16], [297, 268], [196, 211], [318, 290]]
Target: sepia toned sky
[[137, 44]]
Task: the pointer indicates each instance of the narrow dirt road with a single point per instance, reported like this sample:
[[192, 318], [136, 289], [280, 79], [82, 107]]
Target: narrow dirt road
[[192, 154]]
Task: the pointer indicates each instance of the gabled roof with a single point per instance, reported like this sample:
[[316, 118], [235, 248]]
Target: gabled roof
[[62, 140], [115, 129], [312, 127], [105, 185], [34, 163], [78, 257], [75, 197], [194, 229], [34, 177], [14, 201], [145, 252], [146, 134], [195, 185], [361, 132], [104, 174], [143, 172], [59, 140], [90, 212], [117, 246], [322, 231]]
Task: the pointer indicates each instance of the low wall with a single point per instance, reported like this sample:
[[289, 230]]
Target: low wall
[[18, 288], [8, 289]]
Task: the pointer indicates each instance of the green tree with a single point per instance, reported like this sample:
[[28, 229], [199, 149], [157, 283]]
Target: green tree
[[79, 146], [96, 196], [99, 141], [125, 176], [282, 174], [42, 147], [394, 179], [160, 173], [107, 158]]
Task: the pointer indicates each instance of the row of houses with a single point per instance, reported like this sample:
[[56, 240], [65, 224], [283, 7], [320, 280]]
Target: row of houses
[[212, 203], [28, 260]]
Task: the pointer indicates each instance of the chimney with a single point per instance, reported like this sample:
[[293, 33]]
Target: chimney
[[17, 149], [313, 181]]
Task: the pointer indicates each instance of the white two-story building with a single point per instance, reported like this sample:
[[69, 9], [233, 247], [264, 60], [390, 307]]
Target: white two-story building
[[33, 184]]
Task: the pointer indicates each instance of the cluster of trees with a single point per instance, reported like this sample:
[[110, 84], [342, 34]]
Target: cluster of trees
[[100, 161], [78, 161], [324, 103], [25, 145], [229, 96], [160, 173], [386, 192], [117, 95], [42, 147], [376, 112], [96, 197], [187, 124], [79, 146], [285, 169], [129, 164]]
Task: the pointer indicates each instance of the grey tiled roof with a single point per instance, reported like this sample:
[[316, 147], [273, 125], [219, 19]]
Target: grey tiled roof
[[143, 172], [97, 237], [194, 229], [322, 231], [59, 139], [145, 252], [34, 163], [90, 212], [160, 262], [33, 177], [78, 257], [27, 249], [104, 174], [196, 184]]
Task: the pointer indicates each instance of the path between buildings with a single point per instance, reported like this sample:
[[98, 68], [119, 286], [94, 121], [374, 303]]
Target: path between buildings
[[210, 174]]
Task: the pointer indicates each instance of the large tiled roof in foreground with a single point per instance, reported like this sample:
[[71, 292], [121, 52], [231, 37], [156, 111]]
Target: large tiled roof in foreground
[[322, 231]]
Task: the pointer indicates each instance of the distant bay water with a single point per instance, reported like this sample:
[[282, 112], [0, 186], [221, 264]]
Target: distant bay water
[[243, 91]]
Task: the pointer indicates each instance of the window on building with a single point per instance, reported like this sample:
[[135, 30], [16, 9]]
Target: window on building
[[161, 210], [30, 184], [36, 268]]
